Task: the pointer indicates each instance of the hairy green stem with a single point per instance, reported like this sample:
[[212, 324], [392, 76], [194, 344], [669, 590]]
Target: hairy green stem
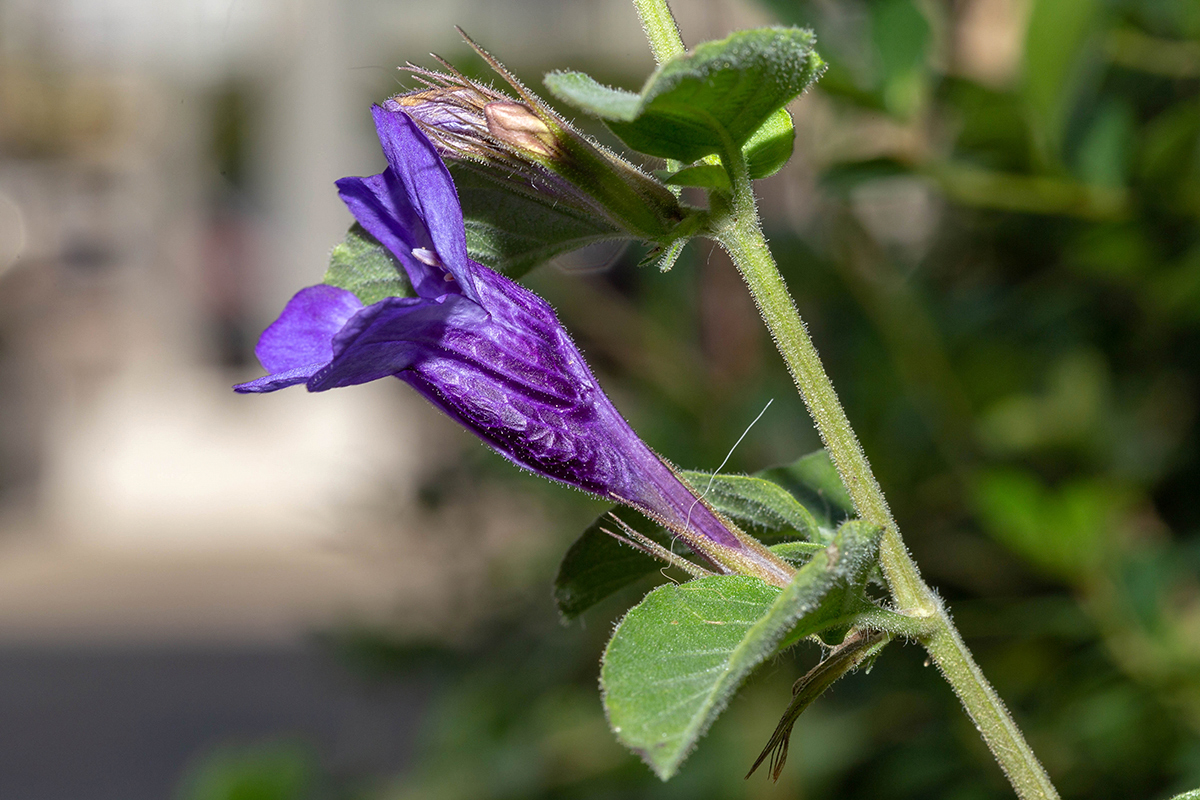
[[665, 42], [997, 727], [742, 237], [659, 24]]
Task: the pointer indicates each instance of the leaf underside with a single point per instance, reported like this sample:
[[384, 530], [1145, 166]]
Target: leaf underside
[[815, 483], [701, 176], [757, 504], [771, 145]]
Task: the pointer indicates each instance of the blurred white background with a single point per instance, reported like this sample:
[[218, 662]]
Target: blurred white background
[[166, 182]]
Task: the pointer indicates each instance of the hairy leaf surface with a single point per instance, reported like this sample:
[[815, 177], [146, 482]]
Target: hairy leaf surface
[[677, 657], [694, 104]]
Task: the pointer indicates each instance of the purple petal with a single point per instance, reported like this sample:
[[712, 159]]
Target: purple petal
[[278, 380], [415, 161], [513, 305], [413, 204], [488, 352], [391, 336], [381, 205], [300, 342]]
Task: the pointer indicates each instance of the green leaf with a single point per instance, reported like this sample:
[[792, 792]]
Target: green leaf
[[597, 565], [513, 229], [1103, 155], [675, 660], [1063, 530], [796, 551], [586, 93], [765, 152], [755, 503], [771, 145], [850, 558], [362, 265], [1192, 795], [693, 103], [814, 482]]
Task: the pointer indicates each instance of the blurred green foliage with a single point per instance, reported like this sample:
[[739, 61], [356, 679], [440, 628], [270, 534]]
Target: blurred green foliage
[[265, 771], [999, 259]]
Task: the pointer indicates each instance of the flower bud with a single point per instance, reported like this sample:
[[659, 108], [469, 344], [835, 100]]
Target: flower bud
[[515, 125], [453, 118], [455, 111], [524, 139]]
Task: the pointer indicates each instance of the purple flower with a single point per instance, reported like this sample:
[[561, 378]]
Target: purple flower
[[485, 350]]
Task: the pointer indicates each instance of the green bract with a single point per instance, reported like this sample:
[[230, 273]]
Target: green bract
[[703, 102], [676, 658], [362, 265], [598, 565]]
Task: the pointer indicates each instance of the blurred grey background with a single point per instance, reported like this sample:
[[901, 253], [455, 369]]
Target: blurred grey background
[[167, 548]]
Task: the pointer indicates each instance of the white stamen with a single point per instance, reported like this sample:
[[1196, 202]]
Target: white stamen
[[426, 256]]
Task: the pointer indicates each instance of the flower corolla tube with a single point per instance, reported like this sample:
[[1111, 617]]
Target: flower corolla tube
[[489, 353]]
